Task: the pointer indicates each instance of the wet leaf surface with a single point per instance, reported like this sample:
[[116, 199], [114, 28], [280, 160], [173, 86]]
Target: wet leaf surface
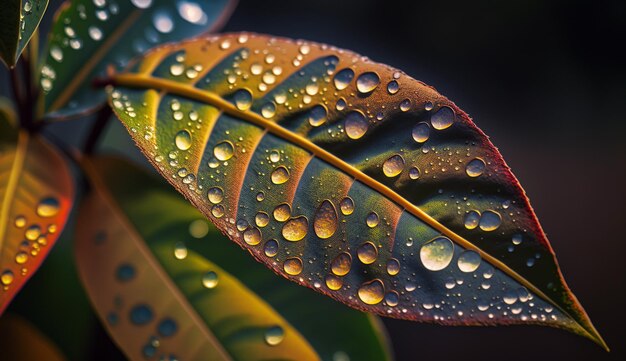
[[348, 174], [36, 195], [18, 21], [90, 35]]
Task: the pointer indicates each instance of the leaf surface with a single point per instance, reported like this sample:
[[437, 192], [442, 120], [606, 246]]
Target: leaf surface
[[36, 195], [337, 171], [90, 35], [158, 298], [19, 340], [18, 21]]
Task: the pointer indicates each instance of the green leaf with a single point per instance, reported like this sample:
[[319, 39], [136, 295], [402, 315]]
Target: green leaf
[[89, 36], [18, 21], [36, 195], [19, 340], [159, 213], [156, 297], [348, 174]]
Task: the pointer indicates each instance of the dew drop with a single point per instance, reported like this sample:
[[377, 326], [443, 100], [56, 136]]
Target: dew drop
[[414, 173], [437, 254], [325, 221], [125, 272], [356, 125], [372, 220], [293, 266], [6, 278], [490, 221], [271, 248], [393, 87], [392, 298], [295, 229], [180, 250], [333, 282], [343, 78], [274, 335], [471, 219], [317, 115], [268, 110], [199, 228], [367, 253], [261, 219], [341, 264], [372, 292], [517, 239], [475, 167], [469, 261], [274, 156], [48, 207], [347, 206], [280, 175], [217, 211], [32, 233], [282, 212], [192, 13], [167, 327], [405, 105], [243, 99], [224, 150], [443, 118], [215, 195], [393, 166], [163, 22], [210, 280], [142, 4], [183, 140], [367, 82], [421, 132], [510, 297], [20, 221], [393, 267], [141, 314], [95, 33]]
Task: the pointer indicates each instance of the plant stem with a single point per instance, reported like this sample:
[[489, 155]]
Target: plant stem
[[18, 95], [97, 130]]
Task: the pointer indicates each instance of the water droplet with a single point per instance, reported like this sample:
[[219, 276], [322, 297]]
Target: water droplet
[[510, 297], [405, 105], [392, 298], [56, 53], [183, 140], [217, 211], [224, 150], [95, 33], [210, 280], [21, 257], [180, 250], [271, 248], [490, 220], [367, 253], [198, 228], [295, 229], [325, 221], [268, 110], [517, 239], [393, 267], [32, 233], [469, 261], [317, 115], [475, 167], [367, 82], [269, 78], [243, 99], [274, 335], [282, 212], [48, 207], [443, 118], [6, 277], [192, 13], [372, 292], [343, 78], [428, 106], [347, 206], [167, 327], [261, 219], [341, 104], [252, 236], [393, 87], [393, 166], [356, 125], [274, 156], [421, 132], [293, 266], [141, 314], [341, 264], [28, 6], [163, 22], [142, 4], [372, 220], [225, 44], [437, 254], [414, 173], [125, 272], [280, 175], [333, 282], [215, 195], [20, 221], [471, 219]]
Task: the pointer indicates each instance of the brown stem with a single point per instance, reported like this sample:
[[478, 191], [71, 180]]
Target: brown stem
[[97, 130]]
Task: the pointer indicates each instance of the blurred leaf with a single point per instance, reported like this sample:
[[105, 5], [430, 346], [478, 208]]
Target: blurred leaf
[[90, 35], [21, 341], [18, 21], [36, 195], [8, 117], [157, 298], [349, 177]]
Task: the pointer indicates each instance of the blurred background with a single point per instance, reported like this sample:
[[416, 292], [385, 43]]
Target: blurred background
[[545, 79]]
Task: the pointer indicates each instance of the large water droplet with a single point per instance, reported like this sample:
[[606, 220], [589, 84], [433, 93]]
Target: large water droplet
[[490, 220], [341, 264], [243, 99], [167, 327], [192, 12], [142, 4], [163, 22], [261, 219], [475, 167], [274, 335], [367, 82], [6, 278], [393, 267], [443, 118], [421, 132], [252, 236], [393, 87], [393, 166], [210, 279], [372, 292], [317, 115], [33, 232], [437, 254], [183, 140], [367, 253], [271, 248], [48, 207], [293, 266], [343, 78], [223, 150], [282, 212], [356, 125], [471, 219], [469, 261], [325, 221], [295, 229], [215, 195], [372, 220], [280, 175], [333, 282]]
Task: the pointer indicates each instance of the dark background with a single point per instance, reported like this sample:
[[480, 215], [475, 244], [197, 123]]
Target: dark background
[[547, 81]]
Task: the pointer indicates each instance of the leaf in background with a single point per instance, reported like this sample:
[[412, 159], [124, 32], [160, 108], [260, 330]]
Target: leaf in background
[[18, 21], [349, 175], [90, 35], [159, 299], [36, 195], [19, 340], [167, 220]]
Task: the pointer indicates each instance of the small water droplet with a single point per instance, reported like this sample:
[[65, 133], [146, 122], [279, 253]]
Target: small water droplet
[[293, 266], [192, 13], [372, 220], [341, 264], [517, 239], [125, 272], [347, 206], [141, 314], [243, 99], [261, 219], [142, 4], [469, 261], [274, 335], [392, 298], [274, 156], [333, 282], [295, 229], [393, 87], [180, 250], [367, 82], [183, 140], [95, 33], [405, 105], [20, 221], [252, 236], [393, 166], [280, 175], [48, 207], [167, 327], [343, 78], [421, 132], [32, 233], [215, 195], [163, 22], [510, 297], [210, 280], [282, 212], [471, 219], [271, 248], [7, 277], [223, 150], [414, 173], [443, 118], [367, 253], [198, 228], [372, 292], [490, 221], [317, 115], [268, 110], [437, 254], [393, 267], [475, 167], [356, 125]]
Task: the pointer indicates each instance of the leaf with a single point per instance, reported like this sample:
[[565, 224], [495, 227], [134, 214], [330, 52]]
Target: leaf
[[342, 331], [19, 340], [353, 175], [18, 21], [36, 194], [156, 297], [90, 35]]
